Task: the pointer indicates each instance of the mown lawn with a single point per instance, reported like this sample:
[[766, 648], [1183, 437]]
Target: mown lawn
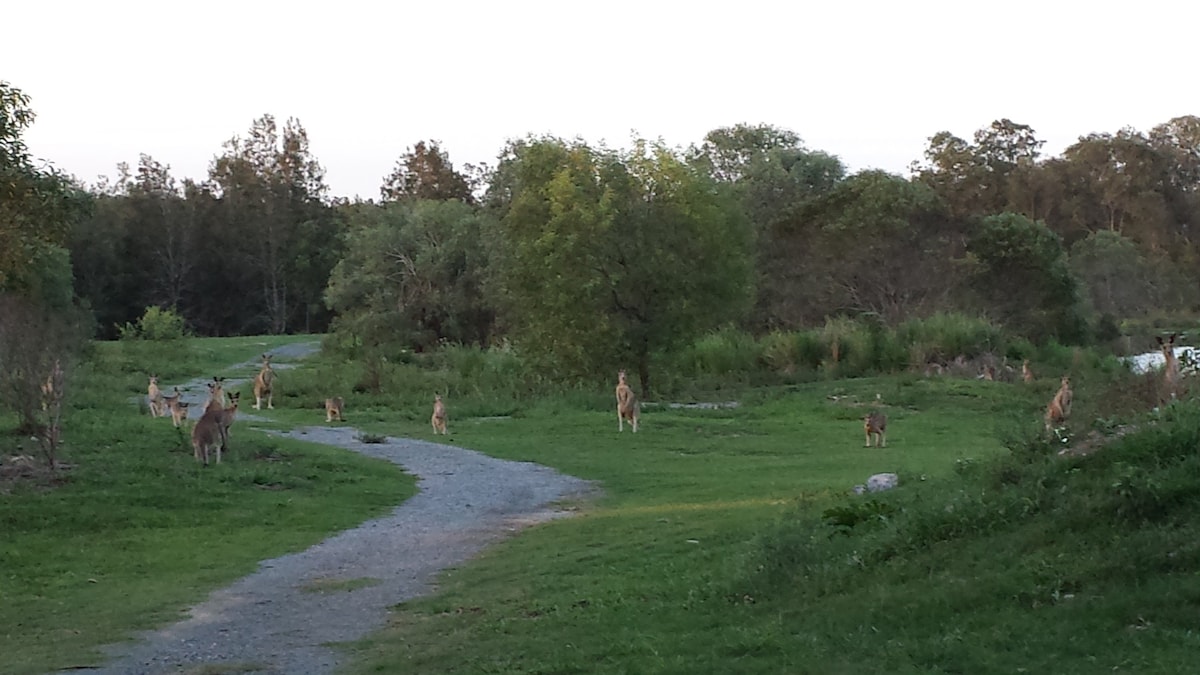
[[136, 530]]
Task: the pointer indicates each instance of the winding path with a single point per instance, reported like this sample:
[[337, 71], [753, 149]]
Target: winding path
[[268, 623]]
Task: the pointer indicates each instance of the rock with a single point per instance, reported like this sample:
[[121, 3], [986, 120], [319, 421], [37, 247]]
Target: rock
[[882, 481]]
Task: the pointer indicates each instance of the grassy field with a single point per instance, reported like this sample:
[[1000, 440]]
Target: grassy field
[[725, 540], [136, 530]]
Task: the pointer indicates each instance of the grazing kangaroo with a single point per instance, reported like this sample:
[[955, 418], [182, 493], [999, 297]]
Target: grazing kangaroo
[[875, 426], [333, 408], [627, 404], [154, 396], [1170, 366], [1059, 408], [177, 407], [438, 420], [1026, 372], [263, 382]]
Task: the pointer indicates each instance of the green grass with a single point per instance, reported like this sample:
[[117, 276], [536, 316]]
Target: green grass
[[642, 579], [723, 541], [137, 530]]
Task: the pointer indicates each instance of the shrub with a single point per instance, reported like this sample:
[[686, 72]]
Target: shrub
[[156, 325]]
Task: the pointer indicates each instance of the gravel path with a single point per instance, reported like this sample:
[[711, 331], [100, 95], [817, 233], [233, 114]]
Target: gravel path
[[268, 623]]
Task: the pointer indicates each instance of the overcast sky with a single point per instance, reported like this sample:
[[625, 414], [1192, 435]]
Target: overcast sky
[[867, 81]]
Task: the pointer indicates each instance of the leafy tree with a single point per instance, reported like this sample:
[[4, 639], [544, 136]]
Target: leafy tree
[[882, 245], [38, 207], [425, 172], [1118, 279], [38, 324], [769, 171], [412, 276], [996, 173], [1118, 183], [727, 153], [1020, 275], [607, 256], [280, 235]]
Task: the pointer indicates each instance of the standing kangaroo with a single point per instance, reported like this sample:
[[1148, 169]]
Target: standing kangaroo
[[1026, 372], [155, 397], [212, 430], [875, 426], [1059, 408], [627, 404], [438, 420], [1170, 366], [263, 382]]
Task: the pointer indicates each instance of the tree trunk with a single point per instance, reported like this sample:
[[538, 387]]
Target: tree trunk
[[644, 372]]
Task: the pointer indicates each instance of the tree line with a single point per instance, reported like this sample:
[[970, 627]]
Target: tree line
[[584, 256]]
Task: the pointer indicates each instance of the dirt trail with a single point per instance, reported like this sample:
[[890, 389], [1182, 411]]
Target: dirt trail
[[273, 622]]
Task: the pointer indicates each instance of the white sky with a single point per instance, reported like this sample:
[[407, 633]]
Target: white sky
[[869, 81]]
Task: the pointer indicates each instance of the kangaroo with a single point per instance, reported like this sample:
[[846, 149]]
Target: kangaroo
[[1026, 372], [1170, 366], [263, 382], [154, 396], [627, 404], [227, 417], [216, 394], [1059, 408], [211, 430], [177, 407], [333, 408], [875, 426], [439, 415]]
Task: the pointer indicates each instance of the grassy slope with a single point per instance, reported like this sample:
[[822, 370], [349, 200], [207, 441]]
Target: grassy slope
[[138, 530], [650, 579], [710, 552]]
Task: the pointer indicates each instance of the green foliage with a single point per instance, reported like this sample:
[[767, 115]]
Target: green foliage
[[38, 206], [156, 325], [425, 172], [861, 514], [726, 351], [942, 337], [412, 277], [605, 257], [1022, 278], [1116, 277]]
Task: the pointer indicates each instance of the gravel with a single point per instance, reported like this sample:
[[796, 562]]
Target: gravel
[[273, 621]]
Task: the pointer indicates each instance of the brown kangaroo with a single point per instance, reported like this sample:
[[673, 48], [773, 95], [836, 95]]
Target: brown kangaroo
[[875, 426], [627, 404], [177, 407], [212, 430], [263, 382], [438, 420], [333, 408], [155, 397], [1059, 408], [1170, 366]]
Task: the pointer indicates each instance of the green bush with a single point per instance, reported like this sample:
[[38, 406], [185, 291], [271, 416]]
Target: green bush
[[942, 337], [156, 325]]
